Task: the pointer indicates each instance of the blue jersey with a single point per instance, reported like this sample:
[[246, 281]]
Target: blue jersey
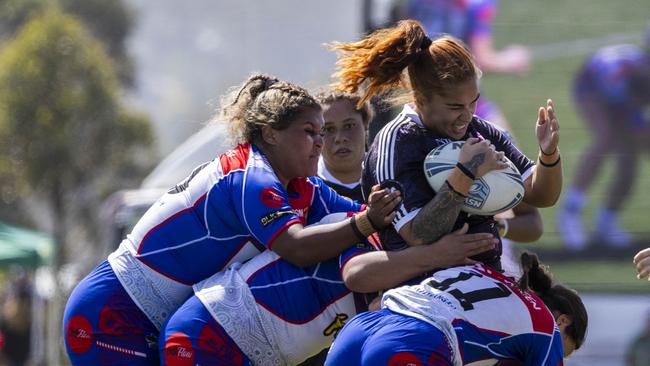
[[227, 210], [463, 19], [485, 314], [607, 75], [288, 312], [398, 153]]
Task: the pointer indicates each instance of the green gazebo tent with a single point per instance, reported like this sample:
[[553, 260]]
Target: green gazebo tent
[[24, 247]]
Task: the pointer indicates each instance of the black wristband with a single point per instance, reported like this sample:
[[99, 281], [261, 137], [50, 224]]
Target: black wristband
[[357, 232], [552, 164], [465, 171], [454, 190], [545, 154]]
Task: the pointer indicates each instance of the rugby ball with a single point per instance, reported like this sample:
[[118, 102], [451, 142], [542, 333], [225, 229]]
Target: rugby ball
[[496, 191]]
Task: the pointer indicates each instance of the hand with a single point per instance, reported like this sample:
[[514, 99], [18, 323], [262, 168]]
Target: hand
[[516, 58], [381, 205], [642, 261], [455, 248], [547, 129], [480, 157]]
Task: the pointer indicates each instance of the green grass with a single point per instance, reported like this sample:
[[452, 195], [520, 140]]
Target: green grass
[[599, 276], [539, 23]]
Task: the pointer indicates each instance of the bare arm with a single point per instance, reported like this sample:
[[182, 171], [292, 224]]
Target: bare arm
[[544, 186], [305, 246], [382, 270], [524, 223], [511, 59], [438, 216]]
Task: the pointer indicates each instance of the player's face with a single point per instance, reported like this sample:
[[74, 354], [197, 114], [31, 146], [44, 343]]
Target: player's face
[[344, 137], [449, 113], [568, 343], [299, 146]]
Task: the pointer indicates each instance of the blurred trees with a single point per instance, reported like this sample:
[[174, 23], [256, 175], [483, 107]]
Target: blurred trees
[[110, 21], [65, 139]]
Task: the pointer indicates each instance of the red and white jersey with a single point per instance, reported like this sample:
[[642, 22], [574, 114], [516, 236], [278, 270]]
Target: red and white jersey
[[485, 314]]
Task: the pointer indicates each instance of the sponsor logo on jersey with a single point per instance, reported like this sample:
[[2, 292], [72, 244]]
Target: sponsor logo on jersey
[[270, 197], [78, 334], [270, 217], [336, 325], [178, 350]]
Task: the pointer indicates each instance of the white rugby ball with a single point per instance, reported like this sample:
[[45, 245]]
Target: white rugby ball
[[494, 192]]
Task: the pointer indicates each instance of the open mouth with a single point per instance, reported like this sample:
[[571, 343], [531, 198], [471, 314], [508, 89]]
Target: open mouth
[[342, 152], [459, 129]]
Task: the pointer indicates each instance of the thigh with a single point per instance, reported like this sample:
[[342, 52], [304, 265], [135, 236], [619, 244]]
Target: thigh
[[103, 326], [191, 336]]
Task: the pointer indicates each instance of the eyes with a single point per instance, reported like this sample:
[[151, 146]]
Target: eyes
[[330, 129]]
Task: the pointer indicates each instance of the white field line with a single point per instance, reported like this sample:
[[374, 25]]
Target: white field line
[[557, 50]]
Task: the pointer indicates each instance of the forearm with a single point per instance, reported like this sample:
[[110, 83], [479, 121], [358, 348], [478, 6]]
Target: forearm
[[546, 184], [438, 216], [381, 270], [522, 229], [305, 246]]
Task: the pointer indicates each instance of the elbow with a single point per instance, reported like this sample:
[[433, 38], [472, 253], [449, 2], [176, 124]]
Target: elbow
[[355, 280], [298, 257]]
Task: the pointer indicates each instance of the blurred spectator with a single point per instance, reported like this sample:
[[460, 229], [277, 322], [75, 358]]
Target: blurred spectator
[[612, 93], [15, 322], [638, 352], [471, 21]]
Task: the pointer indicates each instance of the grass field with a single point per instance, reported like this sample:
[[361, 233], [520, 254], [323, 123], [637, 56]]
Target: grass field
[[561, 35]]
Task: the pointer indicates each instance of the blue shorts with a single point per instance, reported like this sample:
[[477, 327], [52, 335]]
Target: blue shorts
[[386, 338], [191, 336], [103, 326]]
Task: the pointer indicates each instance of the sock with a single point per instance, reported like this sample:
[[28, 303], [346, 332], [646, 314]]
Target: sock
[[575, 200]]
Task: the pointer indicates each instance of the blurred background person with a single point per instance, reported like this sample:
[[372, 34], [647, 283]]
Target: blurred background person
[[471, 21], [638, 352], [612, 94], [15, 321]]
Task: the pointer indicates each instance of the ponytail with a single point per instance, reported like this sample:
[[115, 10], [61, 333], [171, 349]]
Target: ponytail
[[558, 298], [378, 61]]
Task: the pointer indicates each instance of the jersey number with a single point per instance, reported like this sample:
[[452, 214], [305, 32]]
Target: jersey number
[[467, 299]]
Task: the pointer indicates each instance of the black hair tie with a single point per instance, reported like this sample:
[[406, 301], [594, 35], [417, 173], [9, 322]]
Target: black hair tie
[[426, 42]]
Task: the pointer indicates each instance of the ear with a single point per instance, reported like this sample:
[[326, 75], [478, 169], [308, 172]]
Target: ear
[[269, 135], [563, 321]]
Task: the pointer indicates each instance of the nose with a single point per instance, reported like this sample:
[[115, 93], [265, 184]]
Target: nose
[[340, 136], [467, 115], [318, 140]]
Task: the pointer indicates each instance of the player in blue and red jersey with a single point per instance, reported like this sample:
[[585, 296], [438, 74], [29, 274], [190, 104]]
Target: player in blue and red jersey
[[464, 315], [612, 93], [443, 79], [258, 196], [268, 311]]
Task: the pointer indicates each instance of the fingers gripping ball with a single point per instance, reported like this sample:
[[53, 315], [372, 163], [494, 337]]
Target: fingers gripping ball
[[496, 191]]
